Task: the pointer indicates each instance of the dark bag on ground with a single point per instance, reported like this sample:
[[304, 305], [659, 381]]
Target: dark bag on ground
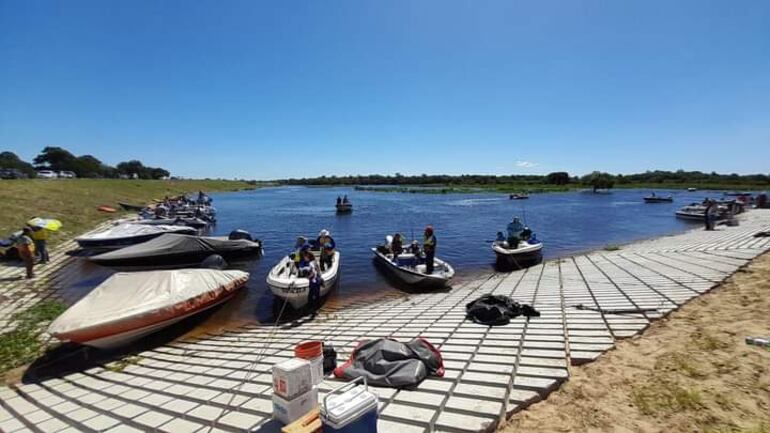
[[497, 310], [386, 362]]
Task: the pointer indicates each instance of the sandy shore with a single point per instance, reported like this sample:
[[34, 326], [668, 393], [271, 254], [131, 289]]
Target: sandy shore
[[690, 372]]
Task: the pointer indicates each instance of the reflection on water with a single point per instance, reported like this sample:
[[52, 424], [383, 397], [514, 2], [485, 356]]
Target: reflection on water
[[465, 224]]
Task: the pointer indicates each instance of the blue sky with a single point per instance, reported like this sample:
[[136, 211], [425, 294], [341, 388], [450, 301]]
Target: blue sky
[[260, 89]]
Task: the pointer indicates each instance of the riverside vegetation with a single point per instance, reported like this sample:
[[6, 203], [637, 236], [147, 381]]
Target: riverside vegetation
[[74, 201]]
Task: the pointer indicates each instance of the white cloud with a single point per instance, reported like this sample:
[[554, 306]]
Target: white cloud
[[526, 164]]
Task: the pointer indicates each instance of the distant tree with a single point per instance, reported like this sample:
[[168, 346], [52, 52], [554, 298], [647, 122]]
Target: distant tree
[[599, 180], [159, 173], [90, 166], [131, 168], [11, 160], [557, 178], [55, 158]]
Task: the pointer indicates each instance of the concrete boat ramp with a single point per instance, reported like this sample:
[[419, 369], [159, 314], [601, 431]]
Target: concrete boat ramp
[[223, 382]]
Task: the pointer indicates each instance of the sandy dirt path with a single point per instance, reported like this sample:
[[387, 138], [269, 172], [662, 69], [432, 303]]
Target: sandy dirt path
[[690, 372]]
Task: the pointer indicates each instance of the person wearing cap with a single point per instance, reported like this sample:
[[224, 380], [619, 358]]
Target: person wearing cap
[[429, 247], [514, 229], [24, 247], [326, 244]]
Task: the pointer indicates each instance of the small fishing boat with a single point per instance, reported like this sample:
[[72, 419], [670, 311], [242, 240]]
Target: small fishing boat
[[285, 283], [518, 196], [128, 206], [658, 199], [130, 305], [344, 207], [691, 189], [176, 251], [695, 212], [410, 270], [128, 234], [524, 255]]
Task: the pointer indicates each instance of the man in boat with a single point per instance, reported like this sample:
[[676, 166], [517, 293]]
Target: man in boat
[[326, 244], [345, 199], [429, 246], [515, 228], [339, 200], [396, 246], [299, 246], [500, 238]]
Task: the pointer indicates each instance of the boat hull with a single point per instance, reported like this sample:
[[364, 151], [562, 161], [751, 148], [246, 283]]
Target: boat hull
[[412, 278], [658, 200], [344, 208], [508, 260], [124, 338], [176, 260], [295, 290]]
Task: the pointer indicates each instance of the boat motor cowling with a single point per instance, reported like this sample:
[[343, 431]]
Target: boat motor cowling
[[214, 261], [240, 234]]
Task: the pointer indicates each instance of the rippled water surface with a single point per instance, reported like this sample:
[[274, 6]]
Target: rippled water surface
[[465, 224]]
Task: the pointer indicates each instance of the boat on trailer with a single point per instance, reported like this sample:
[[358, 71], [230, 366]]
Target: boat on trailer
[[286, 283], [411, 270], [524, 255], [518, 196], [130, 305]]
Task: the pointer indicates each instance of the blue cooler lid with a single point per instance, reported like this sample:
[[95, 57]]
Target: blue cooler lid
[[345, 404]]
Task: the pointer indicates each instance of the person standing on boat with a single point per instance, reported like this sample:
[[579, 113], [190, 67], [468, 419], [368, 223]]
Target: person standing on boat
[[429, 247], [299, 246], [24, 247], [515, 228], [339, 200], [345, 199], [397, 246], [327, 245]]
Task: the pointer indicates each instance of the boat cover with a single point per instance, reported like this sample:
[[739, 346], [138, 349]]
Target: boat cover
[[386, 362], [133, 230], [497, 310], [172, 244], [131, 300]]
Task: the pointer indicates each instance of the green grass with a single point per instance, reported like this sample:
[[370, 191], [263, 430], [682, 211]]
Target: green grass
[[23, 345], [74, 201]]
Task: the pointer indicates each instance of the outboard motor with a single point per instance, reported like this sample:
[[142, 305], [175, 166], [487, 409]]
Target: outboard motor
[[214, 261], [240, 234]]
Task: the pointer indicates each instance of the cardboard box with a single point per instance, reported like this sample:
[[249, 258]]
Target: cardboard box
[[292, 378], [288, 411]]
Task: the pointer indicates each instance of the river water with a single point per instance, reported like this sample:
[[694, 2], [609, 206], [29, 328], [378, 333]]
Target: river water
[[464, 224]]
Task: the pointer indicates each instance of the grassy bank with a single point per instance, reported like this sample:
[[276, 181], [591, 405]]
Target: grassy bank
[[689, 372], [23, 344], [74, 201]]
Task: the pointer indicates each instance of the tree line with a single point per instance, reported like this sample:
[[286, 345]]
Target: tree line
[[596, 179], [58, 159]]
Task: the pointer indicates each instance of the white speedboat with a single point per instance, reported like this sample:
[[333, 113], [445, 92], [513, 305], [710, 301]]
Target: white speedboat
[[524, 255], [286, 283], [128, 234], [411, 270], [130, 305]]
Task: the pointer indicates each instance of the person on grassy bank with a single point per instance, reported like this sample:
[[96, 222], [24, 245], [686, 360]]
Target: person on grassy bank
[[24, 247], [39, 236]]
